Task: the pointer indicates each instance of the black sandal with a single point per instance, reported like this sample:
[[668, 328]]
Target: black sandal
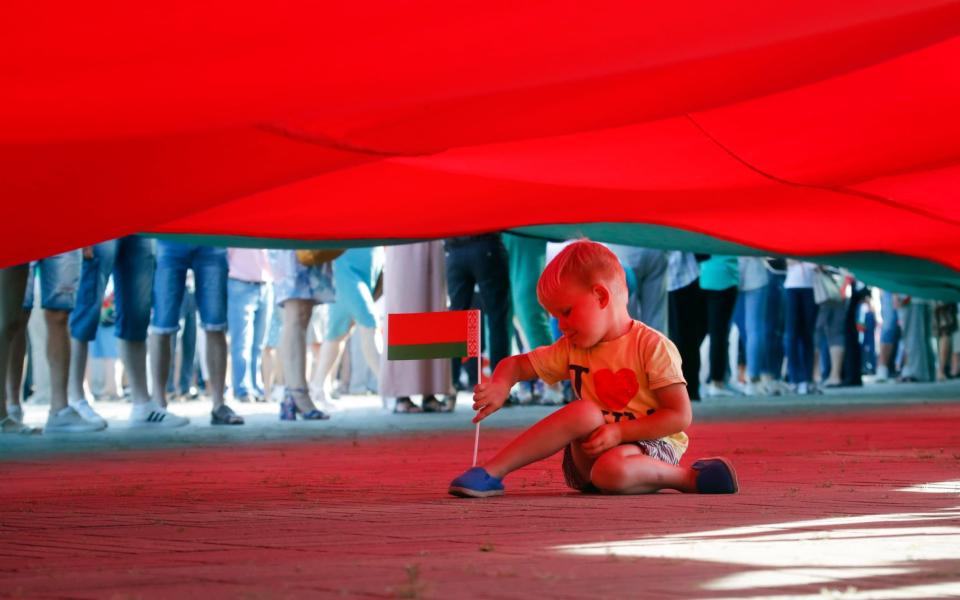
[[432, 405], [406, 405]]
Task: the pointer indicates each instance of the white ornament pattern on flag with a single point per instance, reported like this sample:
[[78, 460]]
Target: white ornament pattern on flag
[[473, 333]]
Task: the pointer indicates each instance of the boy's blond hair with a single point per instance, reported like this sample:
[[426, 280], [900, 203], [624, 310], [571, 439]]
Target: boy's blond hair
[[586, 263]]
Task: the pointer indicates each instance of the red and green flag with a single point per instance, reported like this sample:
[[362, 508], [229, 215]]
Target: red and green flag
[[418, 336]]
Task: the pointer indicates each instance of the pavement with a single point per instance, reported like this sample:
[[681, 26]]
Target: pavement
[[854, 494]]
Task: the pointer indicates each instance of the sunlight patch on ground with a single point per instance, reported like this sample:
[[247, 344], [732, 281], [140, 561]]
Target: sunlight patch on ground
[[813, 553], [938, 487]]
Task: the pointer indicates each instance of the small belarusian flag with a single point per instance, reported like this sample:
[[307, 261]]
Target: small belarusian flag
[[418, 336]]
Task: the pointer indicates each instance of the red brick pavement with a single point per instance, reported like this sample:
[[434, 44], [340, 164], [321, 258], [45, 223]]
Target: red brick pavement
[[369, 517]]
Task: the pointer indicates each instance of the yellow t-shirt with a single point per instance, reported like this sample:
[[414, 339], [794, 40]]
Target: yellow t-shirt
[[619, 375]]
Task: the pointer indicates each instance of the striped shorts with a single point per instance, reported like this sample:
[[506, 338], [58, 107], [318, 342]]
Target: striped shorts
[[659, 449]]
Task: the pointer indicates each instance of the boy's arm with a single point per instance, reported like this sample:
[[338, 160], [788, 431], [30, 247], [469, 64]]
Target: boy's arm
[[673, 416], [489, 397]]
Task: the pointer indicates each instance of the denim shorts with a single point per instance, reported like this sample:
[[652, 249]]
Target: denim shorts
[[131, 262], [830, 321], [661, 450], [59, 278], [210, 269], [272, 339], [294, 281], [354, 275]]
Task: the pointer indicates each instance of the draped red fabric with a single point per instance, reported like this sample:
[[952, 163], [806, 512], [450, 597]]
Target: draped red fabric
[[816, 128]]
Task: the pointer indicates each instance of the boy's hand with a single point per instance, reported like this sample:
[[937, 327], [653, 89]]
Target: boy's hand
[[602, 439], [488, 398]]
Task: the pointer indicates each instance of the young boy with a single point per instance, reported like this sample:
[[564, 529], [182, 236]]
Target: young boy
[[624, 432]]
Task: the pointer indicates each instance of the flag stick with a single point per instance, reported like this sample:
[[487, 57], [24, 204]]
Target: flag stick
[[476, 435]]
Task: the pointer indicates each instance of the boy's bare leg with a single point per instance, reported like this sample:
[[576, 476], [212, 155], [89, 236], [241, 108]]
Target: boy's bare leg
[[627, 470], [572, 422]]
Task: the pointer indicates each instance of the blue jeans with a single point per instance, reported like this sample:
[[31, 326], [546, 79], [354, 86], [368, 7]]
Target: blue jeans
[[481, 261], [754, 330], [773, 328], [59, 275], [188, 346], [249, 307], [131, 261], [800, 317], [209, 267]]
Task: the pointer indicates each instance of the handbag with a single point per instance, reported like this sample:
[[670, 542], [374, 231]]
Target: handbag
[[826, 288], [318, 256]]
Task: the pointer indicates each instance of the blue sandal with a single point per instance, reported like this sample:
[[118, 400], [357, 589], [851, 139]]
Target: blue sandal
[[476, 483], [715, 476]]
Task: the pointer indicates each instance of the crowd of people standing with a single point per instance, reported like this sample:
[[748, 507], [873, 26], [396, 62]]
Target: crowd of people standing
[[180, 317]]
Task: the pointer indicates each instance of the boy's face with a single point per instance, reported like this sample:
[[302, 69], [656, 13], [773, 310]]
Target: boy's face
[[581, 313]]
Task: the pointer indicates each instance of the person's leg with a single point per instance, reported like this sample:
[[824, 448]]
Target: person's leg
[[774, 326], [460, 284], [293, 349], [808, 317], [755, 319], [15, 333], [58, 357], [943, 355], [210, 269], [791, 335], [368, 345], [168, 289], [13, 283], [133, 277], [331, 352], [527, 259], [17, 357], [652, 288], [85, 318], [833, 319], [719, 310], [688, 327], [262, 316], [627, 470], [188, 343], [836, 365], [242, 300], [546, 437], [60, 277], [493, 277]]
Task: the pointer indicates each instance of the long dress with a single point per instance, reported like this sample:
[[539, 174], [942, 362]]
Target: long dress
[[414, 280]]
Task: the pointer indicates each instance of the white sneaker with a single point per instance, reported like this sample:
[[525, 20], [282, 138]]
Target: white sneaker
[[153, 415], [718, 391], [68, 420], [523, 392], [753, 388], [552, 395], [15, 411], [803, 388], [86, 411], [883, 374]]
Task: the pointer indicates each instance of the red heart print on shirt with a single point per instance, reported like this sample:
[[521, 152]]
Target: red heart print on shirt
[[616, 389]]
